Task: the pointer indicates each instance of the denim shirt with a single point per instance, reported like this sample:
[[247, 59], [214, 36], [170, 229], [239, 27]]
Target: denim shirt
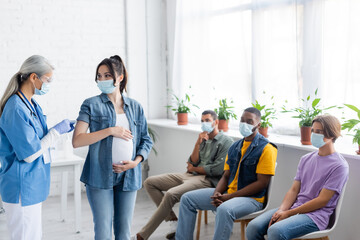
[[250, 160], [100, 114]]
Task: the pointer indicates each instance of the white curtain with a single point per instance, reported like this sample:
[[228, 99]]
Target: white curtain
[[288, 48]]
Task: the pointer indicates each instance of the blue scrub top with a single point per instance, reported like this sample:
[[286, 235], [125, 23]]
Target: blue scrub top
[[20, 137]]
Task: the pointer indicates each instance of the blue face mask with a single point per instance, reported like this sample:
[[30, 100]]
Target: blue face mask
[[45, 88], [245, 129], [207, 127], [317, 140], [106, 86]]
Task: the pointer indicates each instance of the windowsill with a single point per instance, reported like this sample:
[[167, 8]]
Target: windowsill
[[280, 140]]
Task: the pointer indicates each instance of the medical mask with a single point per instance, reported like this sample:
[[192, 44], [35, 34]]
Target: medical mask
[[245, 129], [45, 88], [207, 127], [106, 86], [317, 140]]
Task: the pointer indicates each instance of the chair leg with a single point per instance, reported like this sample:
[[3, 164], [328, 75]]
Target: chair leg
[[198, 225], [242, 227], [206, 216]]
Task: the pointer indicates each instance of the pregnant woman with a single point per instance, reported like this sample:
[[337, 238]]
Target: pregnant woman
[[118, 142]]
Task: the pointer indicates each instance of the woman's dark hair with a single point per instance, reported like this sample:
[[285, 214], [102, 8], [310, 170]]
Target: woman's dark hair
[[115, 65]]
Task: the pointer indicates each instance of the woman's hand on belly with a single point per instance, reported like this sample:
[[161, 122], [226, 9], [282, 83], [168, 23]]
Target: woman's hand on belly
[[121, 132], [124, 165]]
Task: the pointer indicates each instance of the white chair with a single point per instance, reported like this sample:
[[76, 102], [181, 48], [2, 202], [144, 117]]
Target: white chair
[[334, 218], [244, 221]]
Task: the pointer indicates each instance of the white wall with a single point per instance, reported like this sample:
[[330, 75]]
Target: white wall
[[175, 145], [75, 36]]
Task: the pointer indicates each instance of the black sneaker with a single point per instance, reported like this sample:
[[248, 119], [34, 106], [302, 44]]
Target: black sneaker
[[170, 235]]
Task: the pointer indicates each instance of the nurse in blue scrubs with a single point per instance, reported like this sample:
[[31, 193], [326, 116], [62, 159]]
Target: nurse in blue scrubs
[[24, 154]]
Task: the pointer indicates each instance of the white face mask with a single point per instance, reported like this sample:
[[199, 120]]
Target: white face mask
[[207, 127], [317, 140], [106, 86], [45, 88], [246, 129]]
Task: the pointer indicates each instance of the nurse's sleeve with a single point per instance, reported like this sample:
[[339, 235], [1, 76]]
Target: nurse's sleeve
[[46, 142], [20, 134]]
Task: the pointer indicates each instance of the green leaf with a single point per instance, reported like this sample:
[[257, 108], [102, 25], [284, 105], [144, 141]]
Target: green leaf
[[315, 102], [308, 98], [352, 107], [329, 107]]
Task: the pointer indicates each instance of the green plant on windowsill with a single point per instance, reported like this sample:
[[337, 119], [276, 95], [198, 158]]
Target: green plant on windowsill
[[353, 125], [224, 112], [267, 115], [181, 107], [306, 115], [309, 112]]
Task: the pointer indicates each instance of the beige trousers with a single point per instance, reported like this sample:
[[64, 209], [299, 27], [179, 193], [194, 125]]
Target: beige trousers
[[175, 185]]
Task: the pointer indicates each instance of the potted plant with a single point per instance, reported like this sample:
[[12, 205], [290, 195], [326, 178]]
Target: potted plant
[[224, 113], [267, 114], [352, 125], [145, 164], [181, 107], [306, 115]]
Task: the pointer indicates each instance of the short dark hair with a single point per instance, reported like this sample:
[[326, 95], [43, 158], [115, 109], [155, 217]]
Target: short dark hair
[[211, 112], [254, 111]]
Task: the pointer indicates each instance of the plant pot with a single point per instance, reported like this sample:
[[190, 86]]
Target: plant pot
[[305, 135], [358, 151], [223, 125], [182, 118], [263, 131]]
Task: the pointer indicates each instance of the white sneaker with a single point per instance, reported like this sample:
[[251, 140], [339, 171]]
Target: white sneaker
[[172, 231]]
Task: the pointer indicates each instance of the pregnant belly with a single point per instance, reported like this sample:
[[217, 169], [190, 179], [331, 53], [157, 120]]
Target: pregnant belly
[[122, 150]]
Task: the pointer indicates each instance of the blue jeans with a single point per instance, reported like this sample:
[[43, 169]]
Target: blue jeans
[[289, 228], [226, 213], [109, 204]]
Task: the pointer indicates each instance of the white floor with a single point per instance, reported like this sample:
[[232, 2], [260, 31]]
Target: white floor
[[54, 229]]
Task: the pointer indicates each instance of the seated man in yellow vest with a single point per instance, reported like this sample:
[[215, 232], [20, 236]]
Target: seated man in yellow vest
[[249, 165]]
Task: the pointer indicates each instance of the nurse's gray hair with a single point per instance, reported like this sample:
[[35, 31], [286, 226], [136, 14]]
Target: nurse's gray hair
[[34, 64]]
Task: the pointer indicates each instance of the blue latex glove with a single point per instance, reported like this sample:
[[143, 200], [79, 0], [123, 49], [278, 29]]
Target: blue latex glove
[[64, 126]]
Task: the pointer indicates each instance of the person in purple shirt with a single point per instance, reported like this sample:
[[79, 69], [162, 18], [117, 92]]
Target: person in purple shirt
[[308, 205]]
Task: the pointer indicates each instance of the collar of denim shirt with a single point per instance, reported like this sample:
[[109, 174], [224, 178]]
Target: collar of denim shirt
[[104, 97]]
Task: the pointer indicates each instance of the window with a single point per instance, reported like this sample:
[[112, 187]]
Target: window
[[287, 48]]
